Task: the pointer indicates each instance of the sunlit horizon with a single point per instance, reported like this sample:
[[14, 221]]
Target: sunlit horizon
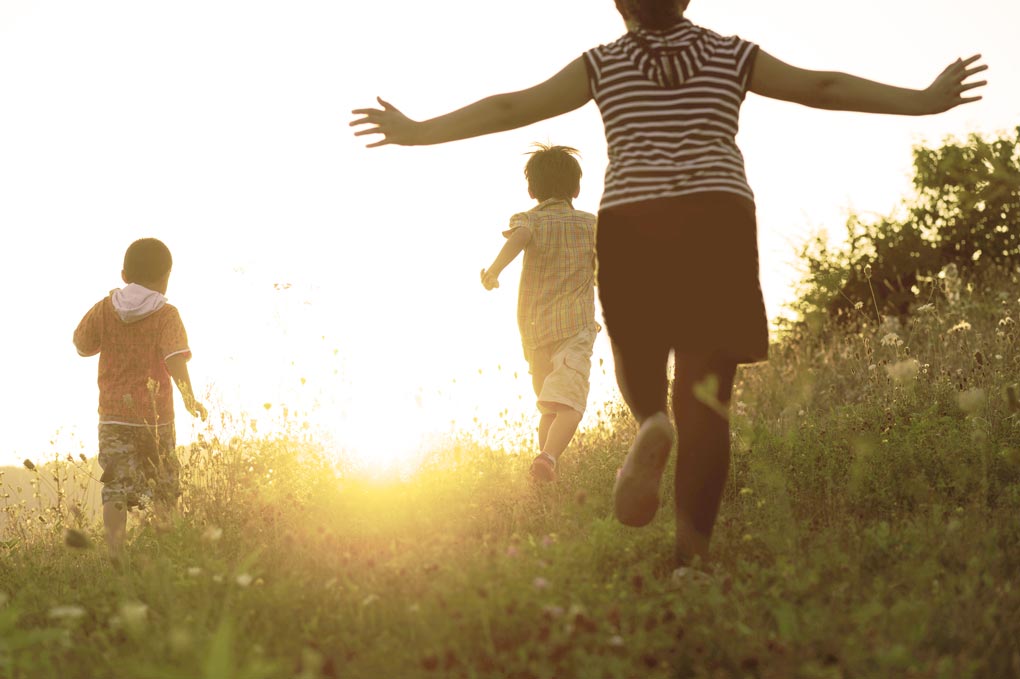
[[340, 282]]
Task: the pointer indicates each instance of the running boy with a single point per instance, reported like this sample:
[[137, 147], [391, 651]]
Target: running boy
[[556, 301], [677, 239], [142, 345]]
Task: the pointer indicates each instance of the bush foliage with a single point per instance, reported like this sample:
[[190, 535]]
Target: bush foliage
[[964, 217]]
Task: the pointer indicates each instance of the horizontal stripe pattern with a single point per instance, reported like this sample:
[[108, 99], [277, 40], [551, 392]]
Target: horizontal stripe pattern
[[670, 102]]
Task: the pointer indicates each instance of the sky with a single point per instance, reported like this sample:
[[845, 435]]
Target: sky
[[342, 282]]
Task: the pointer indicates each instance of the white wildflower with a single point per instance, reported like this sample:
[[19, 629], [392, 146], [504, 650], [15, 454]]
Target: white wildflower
[[244, 579], [194, 571], [212, 534], [971, 399], [892, 340], [960, 327], [70, 612], [133, 613], [903, 371]]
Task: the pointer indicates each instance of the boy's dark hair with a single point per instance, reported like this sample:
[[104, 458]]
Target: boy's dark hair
[[654, 15], [553, 172], [147, 260]]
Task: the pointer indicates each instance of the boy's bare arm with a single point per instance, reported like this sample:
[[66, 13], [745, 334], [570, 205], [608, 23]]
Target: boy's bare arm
[[772, 78], [177, 366], [564, 92], [513, 246]]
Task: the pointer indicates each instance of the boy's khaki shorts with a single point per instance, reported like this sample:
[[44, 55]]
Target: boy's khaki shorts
[[560, 372]]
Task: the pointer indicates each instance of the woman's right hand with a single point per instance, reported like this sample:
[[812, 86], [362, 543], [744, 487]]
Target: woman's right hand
[[394, 126]]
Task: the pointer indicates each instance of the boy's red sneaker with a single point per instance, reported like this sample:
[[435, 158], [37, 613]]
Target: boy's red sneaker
[[543, 468]]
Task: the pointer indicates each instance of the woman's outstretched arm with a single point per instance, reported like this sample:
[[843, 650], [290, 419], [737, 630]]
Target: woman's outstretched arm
[[772, 78], [564, 92]]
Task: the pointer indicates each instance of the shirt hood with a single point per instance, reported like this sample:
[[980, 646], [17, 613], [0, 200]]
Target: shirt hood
[[135, 302], [672, 56]]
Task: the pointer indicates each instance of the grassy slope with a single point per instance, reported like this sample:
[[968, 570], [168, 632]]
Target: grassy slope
[[870, 529]]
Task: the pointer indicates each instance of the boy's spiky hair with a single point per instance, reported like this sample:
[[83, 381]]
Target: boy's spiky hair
[[147, 260], [553, 172]]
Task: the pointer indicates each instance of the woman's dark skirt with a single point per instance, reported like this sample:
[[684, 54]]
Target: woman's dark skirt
[[683, 271]]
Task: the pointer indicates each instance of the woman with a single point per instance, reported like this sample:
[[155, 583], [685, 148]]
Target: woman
[[677, 240]]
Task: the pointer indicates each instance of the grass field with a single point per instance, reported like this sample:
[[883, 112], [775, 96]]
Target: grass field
[[871, 528]]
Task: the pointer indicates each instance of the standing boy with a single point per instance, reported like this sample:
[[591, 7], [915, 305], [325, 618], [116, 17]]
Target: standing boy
[[556, 303], [141, 344]]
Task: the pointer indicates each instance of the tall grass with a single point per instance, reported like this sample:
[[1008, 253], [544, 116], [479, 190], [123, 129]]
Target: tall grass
[[870, 529]]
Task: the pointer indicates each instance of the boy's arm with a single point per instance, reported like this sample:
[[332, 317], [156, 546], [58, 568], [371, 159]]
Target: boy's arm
[[177, 366], [772, 78], [562, 93], [86, 335], [515, 242]]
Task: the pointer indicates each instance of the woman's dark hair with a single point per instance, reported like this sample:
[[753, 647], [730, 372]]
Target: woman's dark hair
[[146, 261], [654, 15], [553, 172]]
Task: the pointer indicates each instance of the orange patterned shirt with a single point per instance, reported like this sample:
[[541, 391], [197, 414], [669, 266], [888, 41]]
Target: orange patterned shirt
[[131, 355]]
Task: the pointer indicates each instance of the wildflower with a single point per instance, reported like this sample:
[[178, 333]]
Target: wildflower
[[971, 399], [548, 540], [959, 327], [369, 600], [926, 308], [218, 579], [243, 580], [133, 613], [858, 305], [616, 641], [180, 639], [1006, 322], [212, 534], [552, 612], [892, 340], [746, 491], [194, 571], [540, 583], [903, 371], [867, 270], [75, 539], [70, 612], [29, 466]]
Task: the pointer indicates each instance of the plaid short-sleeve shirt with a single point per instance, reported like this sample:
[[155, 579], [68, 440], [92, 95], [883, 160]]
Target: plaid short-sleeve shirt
[[134, 385], [557, 292]]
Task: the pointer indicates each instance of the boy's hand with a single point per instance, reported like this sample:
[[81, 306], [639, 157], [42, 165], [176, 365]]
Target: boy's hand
[[196, 409], [489, 281]]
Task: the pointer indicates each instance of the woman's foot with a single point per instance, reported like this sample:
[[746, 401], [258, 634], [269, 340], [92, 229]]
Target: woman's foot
[[636, 493]]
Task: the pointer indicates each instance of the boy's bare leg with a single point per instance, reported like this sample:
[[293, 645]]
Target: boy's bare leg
[[115, 521], [703, 454], [562, 426], [543, 428]]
